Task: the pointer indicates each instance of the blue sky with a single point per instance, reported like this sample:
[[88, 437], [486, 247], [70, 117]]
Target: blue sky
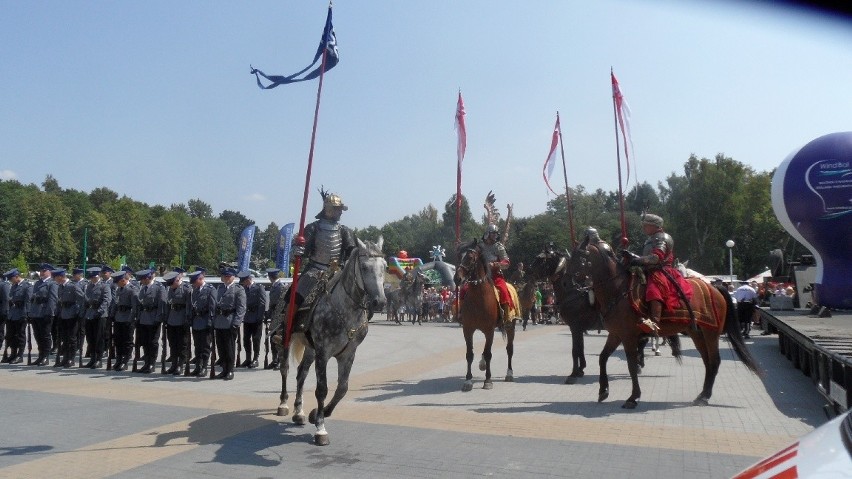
[[154, 99]]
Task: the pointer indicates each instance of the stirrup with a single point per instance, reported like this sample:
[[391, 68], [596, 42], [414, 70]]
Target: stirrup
[[654, 327]]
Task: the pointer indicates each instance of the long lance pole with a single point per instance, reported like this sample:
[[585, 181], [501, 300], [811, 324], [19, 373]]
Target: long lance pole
[[568, 201], [624, 240], [300, 239]]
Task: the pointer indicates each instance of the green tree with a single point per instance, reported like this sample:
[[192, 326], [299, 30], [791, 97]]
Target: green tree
[[46, 228], [131, 228], [701, 209], [199, 209], [236, 223]]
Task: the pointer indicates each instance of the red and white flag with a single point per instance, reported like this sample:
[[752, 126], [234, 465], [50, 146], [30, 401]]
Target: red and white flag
[[462, 131], [622, 111], [547, 170]]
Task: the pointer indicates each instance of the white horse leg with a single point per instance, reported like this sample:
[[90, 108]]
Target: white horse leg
[[283, 368], [304, 368], [482, 363]]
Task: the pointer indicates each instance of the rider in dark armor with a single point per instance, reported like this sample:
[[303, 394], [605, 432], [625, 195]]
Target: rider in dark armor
[[327, 245], [494, 254], [657, 256]]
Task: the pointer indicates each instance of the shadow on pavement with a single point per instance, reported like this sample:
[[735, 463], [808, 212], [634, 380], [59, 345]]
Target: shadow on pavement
[[243, 437]]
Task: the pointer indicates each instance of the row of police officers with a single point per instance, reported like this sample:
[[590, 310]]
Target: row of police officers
[[129, 311]]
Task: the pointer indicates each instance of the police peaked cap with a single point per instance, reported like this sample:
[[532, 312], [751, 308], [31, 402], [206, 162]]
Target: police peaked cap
[[170, 277]]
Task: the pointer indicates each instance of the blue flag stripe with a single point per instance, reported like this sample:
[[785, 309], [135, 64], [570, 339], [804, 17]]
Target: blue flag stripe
[[327, 43]]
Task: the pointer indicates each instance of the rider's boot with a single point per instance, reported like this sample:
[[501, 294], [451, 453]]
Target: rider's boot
[[505, 313], [656, 312]]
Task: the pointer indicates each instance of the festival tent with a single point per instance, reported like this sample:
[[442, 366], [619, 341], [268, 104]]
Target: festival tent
[[760, 277]]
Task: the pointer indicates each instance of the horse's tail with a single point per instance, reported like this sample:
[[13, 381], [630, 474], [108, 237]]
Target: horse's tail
[[297, 348], [674, 344], [735, 336]]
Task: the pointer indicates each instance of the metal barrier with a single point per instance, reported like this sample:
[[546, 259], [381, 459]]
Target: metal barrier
[[823, 362]]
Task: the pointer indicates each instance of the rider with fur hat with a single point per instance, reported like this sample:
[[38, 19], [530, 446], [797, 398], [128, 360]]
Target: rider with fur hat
[[658, 262]]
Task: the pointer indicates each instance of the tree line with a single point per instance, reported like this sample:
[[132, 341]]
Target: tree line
[[712, 201]]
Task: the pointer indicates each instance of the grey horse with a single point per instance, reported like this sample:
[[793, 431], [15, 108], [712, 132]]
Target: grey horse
[[338, 324]]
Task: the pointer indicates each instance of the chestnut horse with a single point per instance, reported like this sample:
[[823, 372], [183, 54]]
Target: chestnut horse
[[596, 264], [480, 311]]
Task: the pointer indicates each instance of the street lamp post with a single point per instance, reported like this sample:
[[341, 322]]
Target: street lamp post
[[730, 244]]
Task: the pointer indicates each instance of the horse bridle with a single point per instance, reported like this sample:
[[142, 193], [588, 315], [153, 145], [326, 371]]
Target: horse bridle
[[465, 267], [360, 293], [582, 254]]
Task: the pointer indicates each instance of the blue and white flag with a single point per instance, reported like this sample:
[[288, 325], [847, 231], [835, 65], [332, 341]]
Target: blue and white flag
[[246, 244], [328, 43], [285, 239]]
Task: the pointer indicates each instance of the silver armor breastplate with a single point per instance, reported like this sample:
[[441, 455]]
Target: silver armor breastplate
[[327, 242], [492, 252]]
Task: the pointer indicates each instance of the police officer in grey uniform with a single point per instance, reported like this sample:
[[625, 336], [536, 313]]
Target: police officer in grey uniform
[[126, 310], [19, 305], [5, 286], [152, 312], [61, 344], [230, 312], [278, 293], [72, 304], [78, 277], [257, 300], [204, 298], [45, 294], [98, 302], [179, 318]]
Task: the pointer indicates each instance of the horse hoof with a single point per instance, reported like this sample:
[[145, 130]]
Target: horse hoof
[[603, 395], [510, 376], [299, 419], [571, 380], [283, 410], [312, 417], [579, 374], [482, 365], [700, 401], [321, 439], [488, 385], [639, 369], [467, 386], [657, 353], [629, 404]]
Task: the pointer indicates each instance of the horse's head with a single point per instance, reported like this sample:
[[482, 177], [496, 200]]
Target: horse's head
[[371, 266], [550, 263], [592, 262], [467, 261]]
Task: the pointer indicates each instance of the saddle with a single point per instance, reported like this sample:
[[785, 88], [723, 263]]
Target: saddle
[[304, 315], [701, 303]]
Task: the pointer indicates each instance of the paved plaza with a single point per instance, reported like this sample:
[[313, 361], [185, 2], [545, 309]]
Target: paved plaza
[[405, 416]]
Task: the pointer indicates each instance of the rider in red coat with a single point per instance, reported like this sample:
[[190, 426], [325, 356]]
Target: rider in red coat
[[494, 254], [657, 257]]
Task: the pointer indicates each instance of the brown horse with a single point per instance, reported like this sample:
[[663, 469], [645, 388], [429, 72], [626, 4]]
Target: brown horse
[[610, 281], [526, 297], [480, 311], [575, 309]]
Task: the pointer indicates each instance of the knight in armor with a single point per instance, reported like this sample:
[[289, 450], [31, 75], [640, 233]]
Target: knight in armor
[[327, 245], [494, 254], [657, 261]]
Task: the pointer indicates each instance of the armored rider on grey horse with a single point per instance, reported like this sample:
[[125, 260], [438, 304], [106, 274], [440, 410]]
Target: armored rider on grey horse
[[327, 245]]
